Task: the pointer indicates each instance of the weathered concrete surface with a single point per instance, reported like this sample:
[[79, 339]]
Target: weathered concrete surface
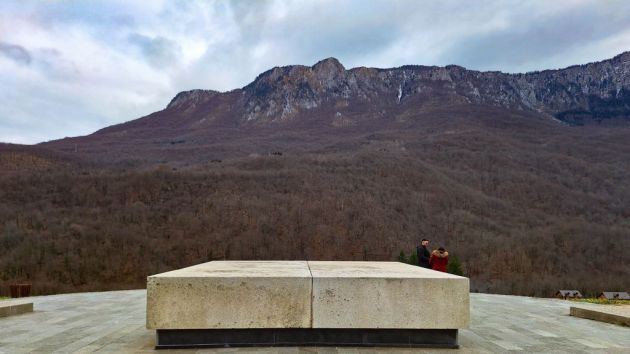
[[300, 294], [15, 307], [231, 294], [114, 322], [615, 314], [387, 295]]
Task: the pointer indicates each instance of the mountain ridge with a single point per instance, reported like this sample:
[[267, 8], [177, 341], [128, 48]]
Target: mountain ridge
[[595, 91], [334, 104]]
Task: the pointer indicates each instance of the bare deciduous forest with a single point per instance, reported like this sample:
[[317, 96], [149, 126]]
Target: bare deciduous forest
[[527, 215]]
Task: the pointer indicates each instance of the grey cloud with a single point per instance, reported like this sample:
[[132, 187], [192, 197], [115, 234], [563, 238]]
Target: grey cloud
[[317, 30], [115, 51], [93, 14], [55, 65], [49, 61], [30, 114], [519, 46], [16, 53], [158, 51]]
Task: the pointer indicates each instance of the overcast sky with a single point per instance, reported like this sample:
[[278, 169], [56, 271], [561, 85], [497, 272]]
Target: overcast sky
[[69, 68]]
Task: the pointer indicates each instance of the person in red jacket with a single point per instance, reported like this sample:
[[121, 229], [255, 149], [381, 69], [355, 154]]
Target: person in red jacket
[[439, 259]]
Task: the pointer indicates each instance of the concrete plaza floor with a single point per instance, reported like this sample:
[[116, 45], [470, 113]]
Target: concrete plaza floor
[[114, 322]]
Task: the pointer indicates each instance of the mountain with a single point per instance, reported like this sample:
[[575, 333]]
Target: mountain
[[330, 100], [578, 94], [525, 178], [592, 92]]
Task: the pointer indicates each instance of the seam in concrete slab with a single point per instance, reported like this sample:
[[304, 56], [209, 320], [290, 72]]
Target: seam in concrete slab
[[308, 264]]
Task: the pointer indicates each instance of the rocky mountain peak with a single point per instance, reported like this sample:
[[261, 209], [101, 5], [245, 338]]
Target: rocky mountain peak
[[187, 100], [622, 58], [329, 67], [581, 93]]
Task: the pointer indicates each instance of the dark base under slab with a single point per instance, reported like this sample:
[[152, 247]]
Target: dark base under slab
[[301, 337]]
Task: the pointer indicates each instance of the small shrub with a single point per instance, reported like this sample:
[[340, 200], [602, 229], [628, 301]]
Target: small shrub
[[413, 259], [454, 266], [402, 258]]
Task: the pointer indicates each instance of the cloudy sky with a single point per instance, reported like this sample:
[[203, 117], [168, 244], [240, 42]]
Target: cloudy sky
[[68, 68]]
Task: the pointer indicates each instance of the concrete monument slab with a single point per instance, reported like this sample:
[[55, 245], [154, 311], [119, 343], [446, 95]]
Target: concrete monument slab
[[288, 303], [387, 295], [231, 294]]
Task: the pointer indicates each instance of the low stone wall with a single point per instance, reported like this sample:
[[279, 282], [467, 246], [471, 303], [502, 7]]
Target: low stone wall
[[15, 307], [619, 315]]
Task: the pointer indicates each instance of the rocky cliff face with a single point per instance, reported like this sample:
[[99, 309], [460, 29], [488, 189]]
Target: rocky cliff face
[[189, 100], [586, 93]]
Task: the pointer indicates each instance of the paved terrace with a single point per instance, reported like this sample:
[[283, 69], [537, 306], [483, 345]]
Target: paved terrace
[[114, 322]]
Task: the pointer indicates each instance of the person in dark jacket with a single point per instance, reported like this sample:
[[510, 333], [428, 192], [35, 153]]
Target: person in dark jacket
[[439, 260], [423, 254]]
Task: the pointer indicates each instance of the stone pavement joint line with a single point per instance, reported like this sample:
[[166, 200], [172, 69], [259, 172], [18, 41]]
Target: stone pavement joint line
[[114, 322]]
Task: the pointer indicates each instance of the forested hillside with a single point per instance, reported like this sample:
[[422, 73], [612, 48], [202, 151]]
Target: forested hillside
[[527, 206]]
